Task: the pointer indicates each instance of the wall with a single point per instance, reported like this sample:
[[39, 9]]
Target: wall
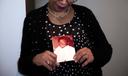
[[12, 14], [113, 18]]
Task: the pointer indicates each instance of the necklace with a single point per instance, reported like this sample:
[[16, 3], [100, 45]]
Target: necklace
[[58, 16]]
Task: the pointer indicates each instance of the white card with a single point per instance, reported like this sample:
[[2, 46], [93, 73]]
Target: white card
[[63, 47]]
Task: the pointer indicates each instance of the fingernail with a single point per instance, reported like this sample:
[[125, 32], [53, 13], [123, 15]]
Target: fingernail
[[57, 64], [75, 61], [50, 69], [82, 66], [54, 68], [74, 57]]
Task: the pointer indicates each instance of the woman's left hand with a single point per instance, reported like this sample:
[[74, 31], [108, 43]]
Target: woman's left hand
[[84, 56]]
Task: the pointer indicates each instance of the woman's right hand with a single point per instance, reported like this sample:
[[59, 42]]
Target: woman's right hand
[[47, 59]]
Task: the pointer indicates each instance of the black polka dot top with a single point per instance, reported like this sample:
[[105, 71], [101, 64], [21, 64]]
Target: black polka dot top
[[86, 32]]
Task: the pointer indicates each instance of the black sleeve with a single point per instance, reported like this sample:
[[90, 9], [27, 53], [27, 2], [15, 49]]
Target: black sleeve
[[25, 64], [101, 50]]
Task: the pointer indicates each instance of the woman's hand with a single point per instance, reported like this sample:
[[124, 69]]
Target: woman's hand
[[46, 59], [84, 56]]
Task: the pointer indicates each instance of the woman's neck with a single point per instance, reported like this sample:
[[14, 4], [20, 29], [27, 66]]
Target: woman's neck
[[62, 20], [59, 14]]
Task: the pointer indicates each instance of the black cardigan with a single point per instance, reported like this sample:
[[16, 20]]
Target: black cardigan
[[101, 50]]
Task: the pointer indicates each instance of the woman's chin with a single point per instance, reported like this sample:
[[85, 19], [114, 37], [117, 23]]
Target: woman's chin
[[61, 7]]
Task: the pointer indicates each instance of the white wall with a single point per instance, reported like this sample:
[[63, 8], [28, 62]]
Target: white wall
[[12, 13], [113, 18]]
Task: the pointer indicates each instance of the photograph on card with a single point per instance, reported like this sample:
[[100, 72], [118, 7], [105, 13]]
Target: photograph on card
[[63, 47]]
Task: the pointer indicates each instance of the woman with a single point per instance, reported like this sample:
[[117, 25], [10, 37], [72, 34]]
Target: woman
[[62, 17]]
